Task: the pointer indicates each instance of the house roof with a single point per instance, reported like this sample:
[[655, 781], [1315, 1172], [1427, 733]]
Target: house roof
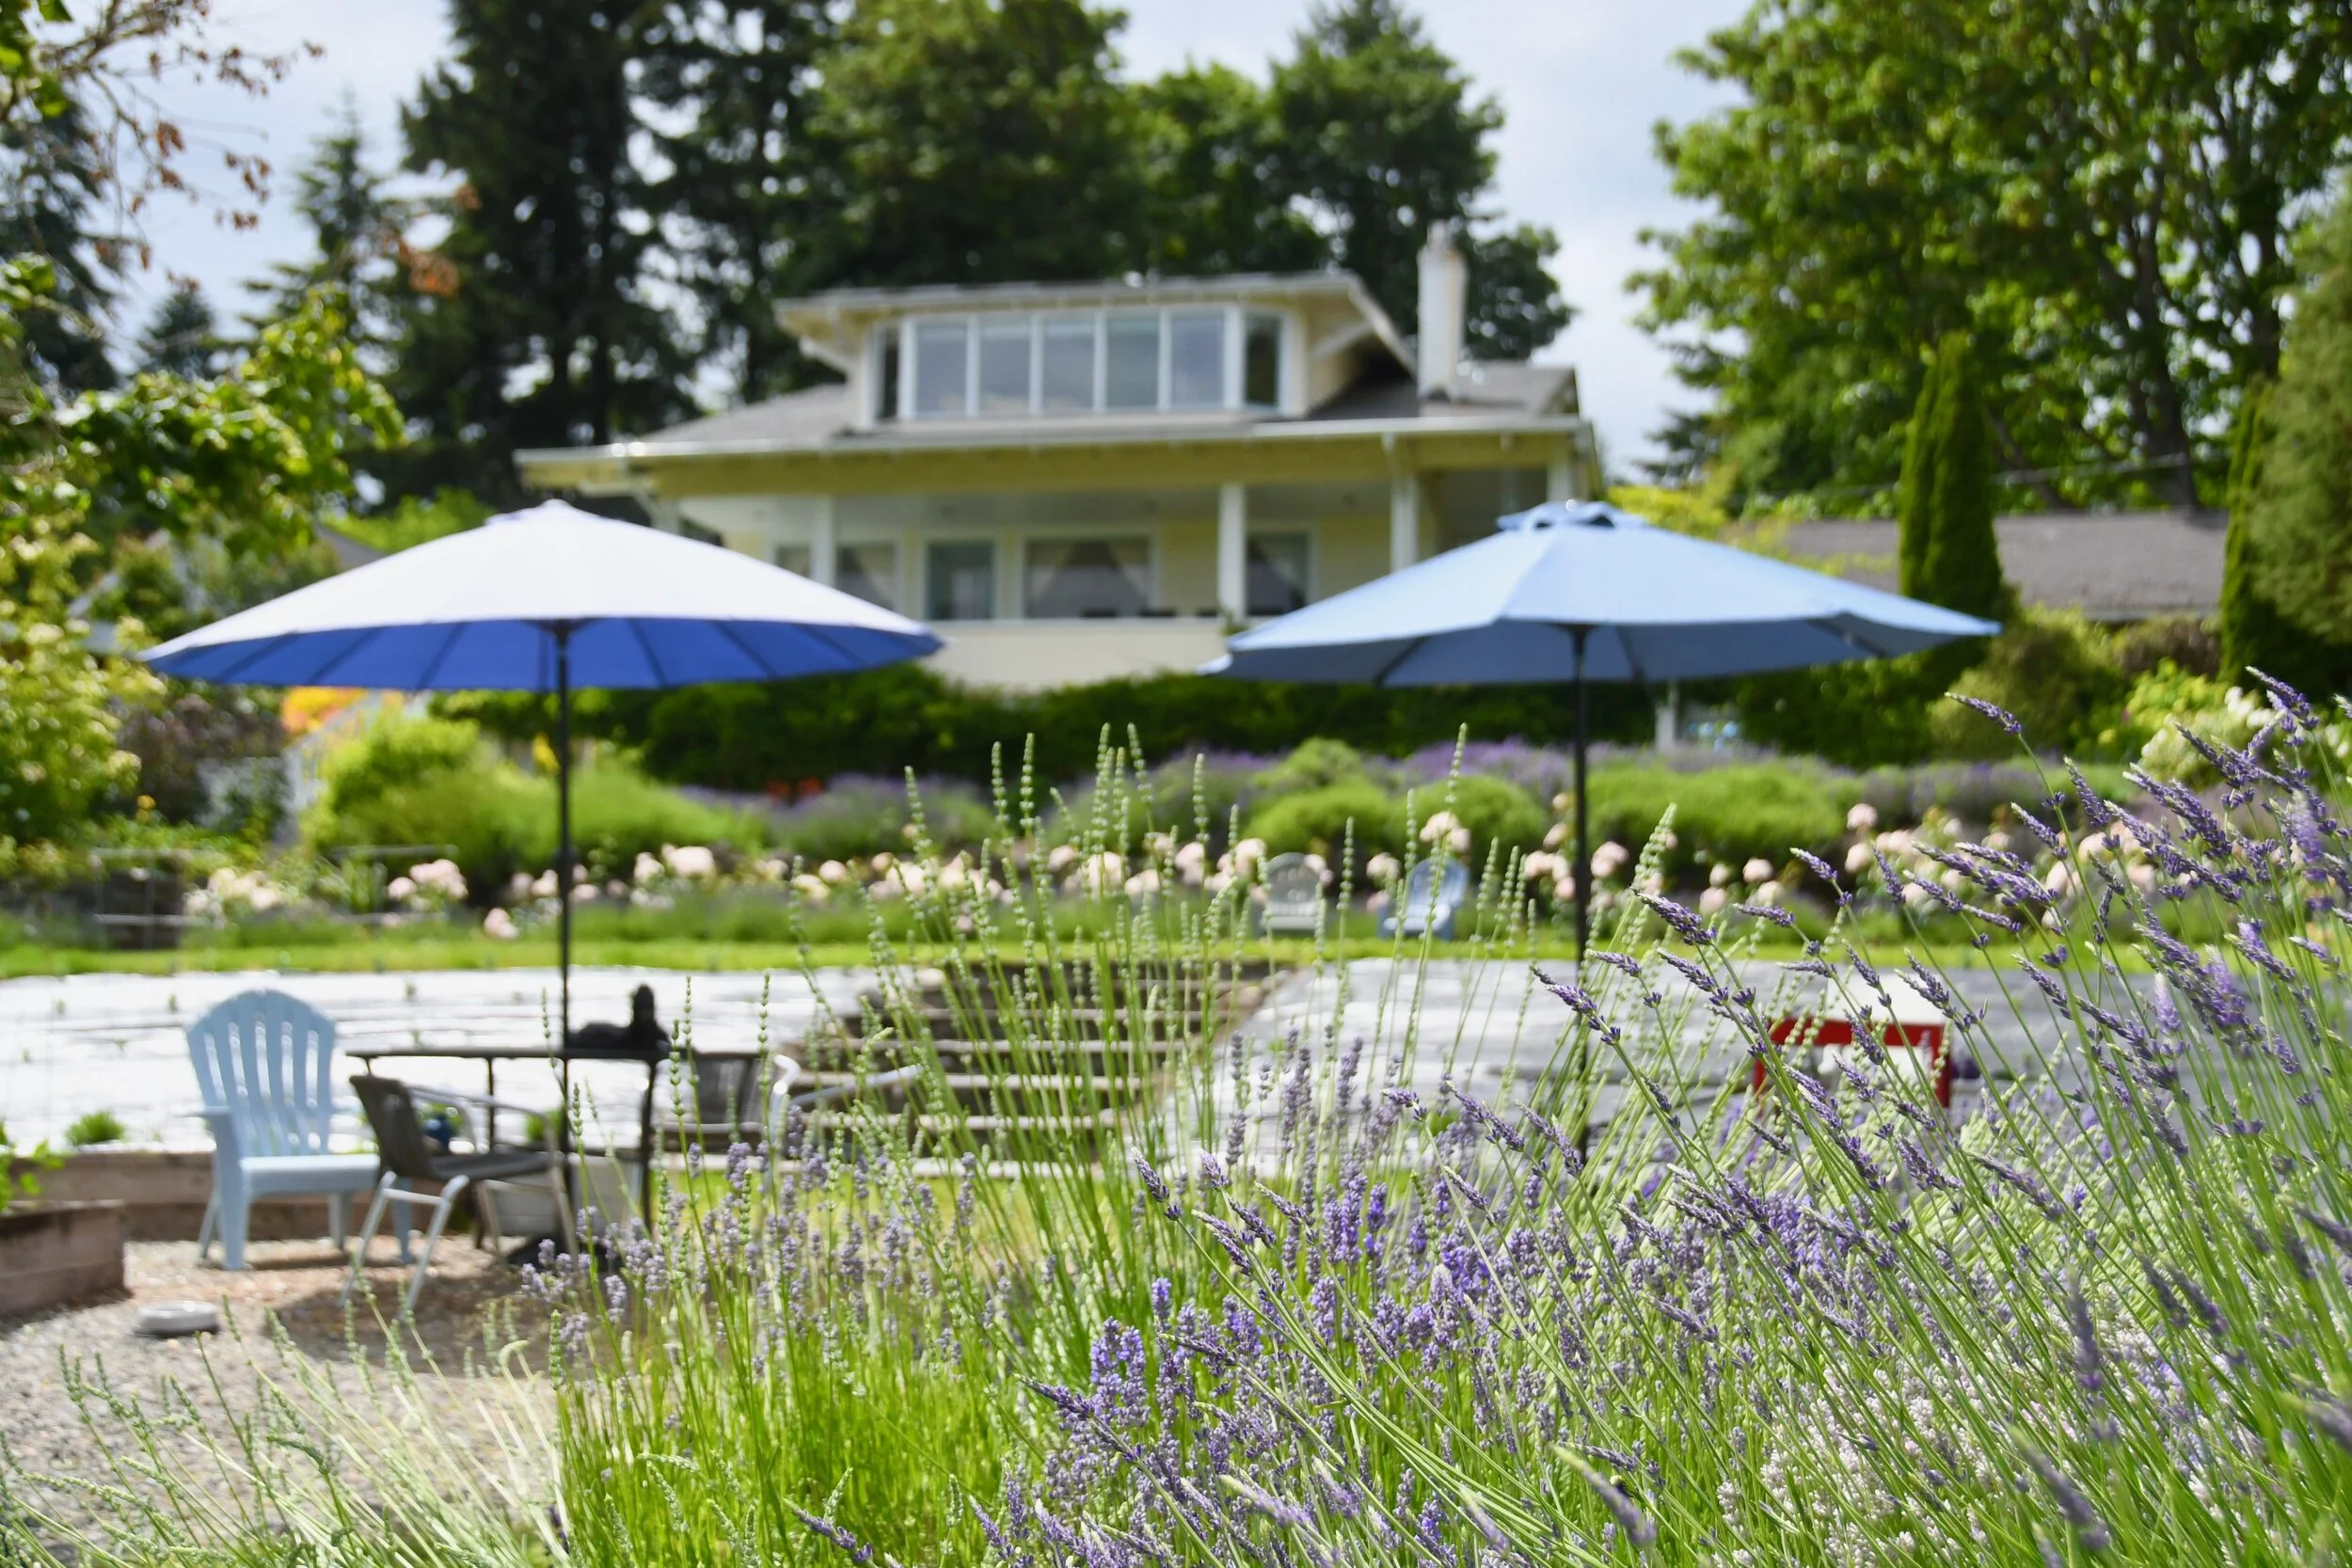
[[831, 326], [819, 418], [2110, 565]]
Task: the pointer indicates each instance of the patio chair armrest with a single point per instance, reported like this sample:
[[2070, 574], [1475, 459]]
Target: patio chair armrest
[[439, 1096], [222, 1124], [831, 1092]]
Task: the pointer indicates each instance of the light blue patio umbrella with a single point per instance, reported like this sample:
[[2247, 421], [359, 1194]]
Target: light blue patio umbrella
[[549, 600], [1585, 592]]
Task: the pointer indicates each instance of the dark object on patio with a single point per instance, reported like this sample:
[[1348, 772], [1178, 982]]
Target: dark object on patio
[[410, 1158], [641, 1039]]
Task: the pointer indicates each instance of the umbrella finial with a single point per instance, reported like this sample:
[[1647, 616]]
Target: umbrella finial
[[1553, 515]]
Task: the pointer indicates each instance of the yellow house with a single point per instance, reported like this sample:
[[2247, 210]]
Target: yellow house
[[1080, 481]]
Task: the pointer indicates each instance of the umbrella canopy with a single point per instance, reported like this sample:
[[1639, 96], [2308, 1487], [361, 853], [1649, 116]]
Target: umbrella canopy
[[550, 599], [1574, 593], [1564, 592], [488, 610]]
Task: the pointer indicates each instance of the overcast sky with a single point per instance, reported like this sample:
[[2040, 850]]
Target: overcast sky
[[1582, 82]]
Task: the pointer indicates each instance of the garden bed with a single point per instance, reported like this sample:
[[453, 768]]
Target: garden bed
[[160, 1195], [54, 1253]]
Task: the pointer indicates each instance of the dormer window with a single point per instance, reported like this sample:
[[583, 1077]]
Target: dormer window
[[1003, 365]]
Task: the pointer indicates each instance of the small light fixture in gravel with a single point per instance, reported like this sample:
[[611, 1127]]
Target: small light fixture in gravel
[[169, 1320]]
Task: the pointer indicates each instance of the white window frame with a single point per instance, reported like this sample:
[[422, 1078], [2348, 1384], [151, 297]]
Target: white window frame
[[1234, 376]]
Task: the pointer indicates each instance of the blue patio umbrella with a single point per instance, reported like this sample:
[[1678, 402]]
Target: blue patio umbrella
[[1585, 592], [547, 600]]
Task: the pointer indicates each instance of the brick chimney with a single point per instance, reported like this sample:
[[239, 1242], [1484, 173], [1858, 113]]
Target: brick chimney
[[1443, 288]]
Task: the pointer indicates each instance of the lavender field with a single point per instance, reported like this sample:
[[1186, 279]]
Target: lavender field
[[1487, 1262]]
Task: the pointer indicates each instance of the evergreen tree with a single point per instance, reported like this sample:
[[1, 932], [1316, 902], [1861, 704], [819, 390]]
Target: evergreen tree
[[51, 174], [1380, 136], [542, 332], [183, 337], [977, 141], [1211, 158], [2303, 508], [1948, 552], [733, 86], [2254, 636], [356, 229]]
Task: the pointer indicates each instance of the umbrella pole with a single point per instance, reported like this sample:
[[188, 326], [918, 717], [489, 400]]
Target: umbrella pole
[[563, 830], [1584, 848]]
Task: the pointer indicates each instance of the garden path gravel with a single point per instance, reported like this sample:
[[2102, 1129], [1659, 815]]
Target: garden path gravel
[[469, 1293]]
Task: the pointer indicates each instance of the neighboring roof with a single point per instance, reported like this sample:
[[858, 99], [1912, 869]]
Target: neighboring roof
[[348, 552], [2110, 565]]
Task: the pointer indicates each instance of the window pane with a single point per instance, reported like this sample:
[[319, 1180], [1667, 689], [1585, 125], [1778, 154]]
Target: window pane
[[963, 581], [871, 572], [1132, 375], [886, 395], [1261, 362], [1004, 367], [1082, 579], [1196, 355], [1277, 573], [1069, 371], [939, 349], [793, 559]]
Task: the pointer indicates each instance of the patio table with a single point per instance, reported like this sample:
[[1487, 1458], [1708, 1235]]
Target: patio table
[[490, 1054]]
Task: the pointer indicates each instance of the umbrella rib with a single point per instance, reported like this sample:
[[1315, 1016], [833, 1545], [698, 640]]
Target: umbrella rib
[[327, 673], [261, 650], [727, 630], [653, 662], [440, 656]]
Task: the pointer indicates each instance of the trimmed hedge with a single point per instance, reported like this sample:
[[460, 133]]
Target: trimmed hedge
[[786, 734]]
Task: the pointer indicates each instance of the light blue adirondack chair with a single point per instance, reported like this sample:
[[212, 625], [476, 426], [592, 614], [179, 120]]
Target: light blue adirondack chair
[[1430, 902], [266, 1064]]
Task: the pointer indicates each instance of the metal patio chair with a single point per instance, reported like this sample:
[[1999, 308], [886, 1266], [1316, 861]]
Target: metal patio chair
[[412, 1164]]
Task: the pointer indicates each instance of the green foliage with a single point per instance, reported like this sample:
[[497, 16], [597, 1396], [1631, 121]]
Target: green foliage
[[432, 780], [1726, 815], [1948, 552], [1699, 513], [415, 520], [1311, 765], [21, 1169], [2301, 478], [2030, 174], [1319, 820], [2254, 634], [542, 268], [2054, 671], [1498, 813], [1380, 135], [1211, 146], [1858, 715], [93, 1128], [970, 135], [244, 461], [734, 83], [752, 737], [183, 337]]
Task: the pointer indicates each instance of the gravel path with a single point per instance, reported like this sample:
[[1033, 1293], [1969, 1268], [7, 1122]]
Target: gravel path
[[469, 1294]]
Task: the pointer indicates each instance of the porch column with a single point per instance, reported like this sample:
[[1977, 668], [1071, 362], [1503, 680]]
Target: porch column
[[1403, 519], [821, 543], [1559, 475], [1233, 552]]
